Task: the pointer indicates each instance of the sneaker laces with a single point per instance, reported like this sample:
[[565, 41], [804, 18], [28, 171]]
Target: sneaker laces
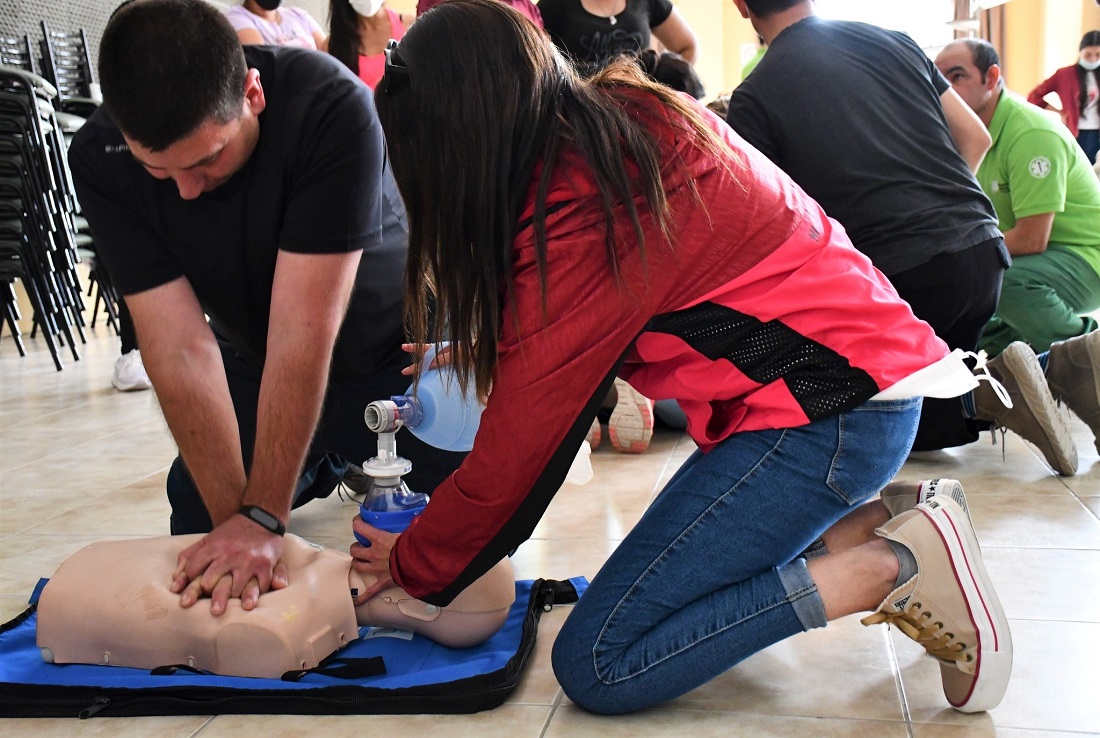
[[921, 628], [981, 373]]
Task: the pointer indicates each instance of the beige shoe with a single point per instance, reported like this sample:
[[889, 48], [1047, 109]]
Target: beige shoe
[[1073, 374], [949, 606], [631, 423], [899, 497], [594, 434], [1034, 415]]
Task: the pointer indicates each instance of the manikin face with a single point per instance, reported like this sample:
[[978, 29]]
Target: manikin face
[[956, 63], [207, 158]]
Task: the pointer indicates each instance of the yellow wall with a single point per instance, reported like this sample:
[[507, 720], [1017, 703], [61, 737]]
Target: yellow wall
[[1041, 36]]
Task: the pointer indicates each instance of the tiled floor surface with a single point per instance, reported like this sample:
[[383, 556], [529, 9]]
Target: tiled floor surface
[[81, 462]]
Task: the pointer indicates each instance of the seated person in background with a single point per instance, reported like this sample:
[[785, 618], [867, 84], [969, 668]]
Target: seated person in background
[[132, 618], [890, 153], [270, 23], [1047, 198], [358, 33], [592, 32], [525, 7]]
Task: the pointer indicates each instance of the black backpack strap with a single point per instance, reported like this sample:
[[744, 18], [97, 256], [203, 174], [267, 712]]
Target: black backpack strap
[[552, 592], [341, 668]]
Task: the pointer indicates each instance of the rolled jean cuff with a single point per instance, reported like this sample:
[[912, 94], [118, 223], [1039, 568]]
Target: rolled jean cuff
[[802, 594]]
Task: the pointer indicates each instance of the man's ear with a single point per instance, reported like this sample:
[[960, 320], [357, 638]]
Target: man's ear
[[993, 76], [254, 92], [744, 9]]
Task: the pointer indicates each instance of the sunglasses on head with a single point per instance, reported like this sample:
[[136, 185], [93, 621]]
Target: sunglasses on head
[[394, 68]]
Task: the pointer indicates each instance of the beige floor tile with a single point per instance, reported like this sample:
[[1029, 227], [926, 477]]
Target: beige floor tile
[[569, 722], [1045, 584], [138, 509], [11, 606], [539, 685], [1014, 458], [101, 727], [1034, 521], [1093, 504], [561, 559], [507, 721], [27, 508], [981, 726], [796, 678], [1054, 684]]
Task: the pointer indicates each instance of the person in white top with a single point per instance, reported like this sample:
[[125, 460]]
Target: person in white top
[[274, 24]]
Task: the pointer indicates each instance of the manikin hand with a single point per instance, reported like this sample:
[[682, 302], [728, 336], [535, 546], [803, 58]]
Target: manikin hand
[[238, 559], [372, 562]]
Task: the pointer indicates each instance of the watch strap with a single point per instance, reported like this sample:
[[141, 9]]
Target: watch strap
[[264, 519]]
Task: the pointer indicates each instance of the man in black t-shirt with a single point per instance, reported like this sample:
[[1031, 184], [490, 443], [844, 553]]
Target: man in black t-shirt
[[861, 118], [264, 207]]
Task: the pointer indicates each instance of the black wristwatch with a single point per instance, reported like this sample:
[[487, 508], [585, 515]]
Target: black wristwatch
[[264, 519]]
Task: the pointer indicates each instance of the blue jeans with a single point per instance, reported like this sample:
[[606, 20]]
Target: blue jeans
[[712, 572]]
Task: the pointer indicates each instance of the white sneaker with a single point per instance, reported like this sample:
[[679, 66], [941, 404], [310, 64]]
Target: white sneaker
[[129, 374]]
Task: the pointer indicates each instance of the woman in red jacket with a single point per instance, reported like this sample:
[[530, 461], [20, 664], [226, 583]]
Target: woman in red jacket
[[566, 231], [1078, 91]]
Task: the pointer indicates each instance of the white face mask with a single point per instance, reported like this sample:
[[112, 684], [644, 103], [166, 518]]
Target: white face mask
[[1089, 65], [366, 8]]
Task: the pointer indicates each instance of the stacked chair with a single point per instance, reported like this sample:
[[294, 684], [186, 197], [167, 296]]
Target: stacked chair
[[38, 234], [42, 235]]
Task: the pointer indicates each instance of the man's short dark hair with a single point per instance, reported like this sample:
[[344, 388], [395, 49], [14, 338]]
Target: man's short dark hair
[[766, 8], [982, 54], [168, 66]]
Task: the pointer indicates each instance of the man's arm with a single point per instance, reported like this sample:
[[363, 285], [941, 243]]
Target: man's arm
[[310, 295], [184, 362], [971, 137], [1030, 235]]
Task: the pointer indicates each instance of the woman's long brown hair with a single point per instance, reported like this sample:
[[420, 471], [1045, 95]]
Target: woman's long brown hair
[[475, 97]]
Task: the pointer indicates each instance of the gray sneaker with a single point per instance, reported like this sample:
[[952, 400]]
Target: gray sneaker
[[1073, 374], [1034, 415]]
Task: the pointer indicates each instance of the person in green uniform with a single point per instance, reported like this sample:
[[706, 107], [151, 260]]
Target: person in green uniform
[[1047, 199]]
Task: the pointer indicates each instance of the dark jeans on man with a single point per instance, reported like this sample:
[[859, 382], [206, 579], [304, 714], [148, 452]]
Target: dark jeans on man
[[956, 294], [341, 438]]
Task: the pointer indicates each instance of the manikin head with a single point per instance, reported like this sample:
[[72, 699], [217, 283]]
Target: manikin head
[[973, 68], [189, 111]]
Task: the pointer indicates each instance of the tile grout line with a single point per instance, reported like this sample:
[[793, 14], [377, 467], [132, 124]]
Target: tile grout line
[[895, 667], [553, 711]]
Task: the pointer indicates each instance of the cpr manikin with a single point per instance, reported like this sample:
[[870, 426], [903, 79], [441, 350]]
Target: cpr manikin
[[110, 603]]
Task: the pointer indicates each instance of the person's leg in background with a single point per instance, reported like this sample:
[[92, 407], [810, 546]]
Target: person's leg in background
[[1089, 141], [1044, 298], [129, 372], [956, 294]]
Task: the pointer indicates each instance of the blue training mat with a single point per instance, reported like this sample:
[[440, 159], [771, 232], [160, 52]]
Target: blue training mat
[[420, 676]]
